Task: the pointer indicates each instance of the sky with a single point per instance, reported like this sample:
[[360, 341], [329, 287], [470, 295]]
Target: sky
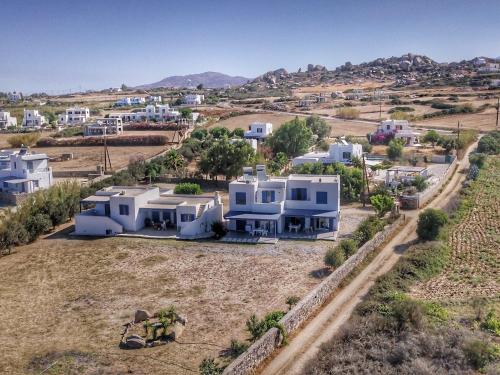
[[60, 46]]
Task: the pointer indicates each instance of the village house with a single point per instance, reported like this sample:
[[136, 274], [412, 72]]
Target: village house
[[490, 67], [14, 96], [103, 126], [306, 101], [33, 119], [400, 129], [6, 120], [154, 99], [193, 99], [159, 112], [404, 175], [259, 130], [24, 171], [121, 209], [278, 206], [342, 152], [74, 116], [123, 102]]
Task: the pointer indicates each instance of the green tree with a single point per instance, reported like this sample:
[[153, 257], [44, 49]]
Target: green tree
[[490, 143], [186, 112], [382, 204], [209, 367], [432, 137], [448, 143], [219, 132], [199, 133], [238, 132], [395, 149], [188, 188], [174, 162], [50, 116], [429, 223], [420, 183], [348, 246], [318, 126], [279, 162], [200, 86], [293, 138]]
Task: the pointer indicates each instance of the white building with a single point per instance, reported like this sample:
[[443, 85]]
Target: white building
[[251, 141], [259, 130], [103, 126], [6, 120], [401, 129], [342, 152], [120, 209], [193, 99], [158, 112], [14, 96], [491, 67], [24, 171], [404, 175], [280, 205], [130, 101], [32, 119], [154, 99], [74, 116]]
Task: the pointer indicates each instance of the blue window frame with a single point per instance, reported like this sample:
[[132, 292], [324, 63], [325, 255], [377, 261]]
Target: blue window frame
[[299, 194], [321, 197], [187, 217], [268, 196], [241, 197], [124, 209]]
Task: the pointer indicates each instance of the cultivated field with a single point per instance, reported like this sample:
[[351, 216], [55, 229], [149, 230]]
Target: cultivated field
[[474, 268], [66, 299]]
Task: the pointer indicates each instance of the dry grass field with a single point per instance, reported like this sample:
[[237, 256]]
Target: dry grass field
[[474, 268], [64, 300], [277, 119]]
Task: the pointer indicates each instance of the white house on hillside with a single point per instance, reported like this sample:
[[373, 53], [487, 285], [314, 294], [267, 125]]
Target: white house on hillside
[[154, 99], [264, 205], [193, 99], [159, 112], [6, 120], [130, 101], [14, 96], [23, 171], [342, 152], [33, 119], [120, 209], [259, 130], [103, 126], [74, 116], [401, 130]]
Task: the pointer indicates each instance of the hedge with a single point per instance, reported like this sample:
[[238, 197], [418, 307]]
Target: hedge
[[128, 140]]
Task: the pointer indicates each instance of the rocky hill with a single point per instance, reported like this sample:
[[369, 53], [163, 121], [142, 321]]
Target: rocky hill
[[207, 79], [404, 70]]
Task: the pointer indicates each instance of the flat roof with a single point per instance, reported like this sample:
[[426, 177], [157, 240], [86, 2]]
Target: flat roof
[[241, 215], [19, 180], [34, 157], [314, 177], [407, 169], [128, 191], [96, 199]]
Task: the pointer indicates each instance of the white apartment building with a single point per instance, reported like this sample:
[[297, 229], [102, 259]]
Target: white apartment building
[[342, 152], [130, 101], [193, 99], [280, 205], [401, 130], [154, 99], [159, 112], [24, 171], [33, 119], [6, 120], [14, 96], [121, 209], [103, 126], [259, 130], [74, 116]]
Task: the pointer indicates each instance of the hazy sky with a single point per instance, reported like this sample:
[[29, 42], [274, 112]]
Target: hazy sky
[[61, 45]]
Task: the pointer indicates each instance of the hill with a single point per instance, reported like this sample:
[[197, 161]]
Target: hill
[[207, 79]]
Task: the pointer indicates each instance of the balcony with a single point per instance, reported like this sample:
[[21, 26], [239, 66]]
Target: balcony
[[268, 208]]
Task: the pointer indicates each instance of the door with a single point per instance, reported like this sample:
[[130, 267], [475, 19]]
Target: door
[[155, 216], [240, 225], [107, 210]]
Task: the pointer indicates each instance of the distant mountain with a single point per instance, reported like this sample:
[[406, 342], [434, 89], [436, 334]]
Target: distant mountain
[[207, 79]]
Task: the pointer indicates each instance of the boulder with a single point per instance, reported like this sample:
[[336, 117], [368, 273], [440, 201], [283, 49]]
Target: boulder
[[181, 319], [135, 342], [141, 315]]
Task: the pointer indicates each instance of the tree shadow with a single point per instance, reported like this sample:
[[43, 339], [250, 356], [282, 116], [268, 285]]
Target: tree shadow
[[320, 273], [401, 248]]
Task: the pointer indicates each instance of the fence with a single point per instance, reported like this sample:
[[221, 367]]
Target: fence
[[259, 351]]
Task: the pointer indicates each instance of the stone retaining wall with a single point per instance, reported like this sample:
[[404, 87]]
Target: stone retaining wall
[[263, 348]]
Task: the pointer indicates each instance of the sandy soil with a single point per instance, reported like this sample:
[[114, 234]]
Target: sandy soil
[[65, 294], [277, 119]]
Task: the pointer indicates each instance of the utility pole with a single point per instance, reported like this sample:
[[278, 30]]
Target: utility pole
[[365, 182], [498, 108], [458, 131]]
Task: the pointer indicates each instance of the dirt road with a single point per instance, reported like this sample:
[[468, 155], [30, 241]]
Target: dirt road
[[292, 358]]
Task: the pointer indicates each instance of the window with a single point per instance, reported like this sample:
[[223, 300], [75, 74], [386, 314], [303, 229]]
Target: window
[[241, 198], [346, 155], [299, 194], [321, 197], [187, 217], [30, 166], [123, 209], [268, 196], [259, 130], [388, 127]]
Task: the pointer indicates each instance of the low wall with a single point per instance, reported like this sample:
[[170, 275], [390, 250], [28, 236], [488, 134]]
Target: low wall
[[13, 199], [220, 184], [303, 310], [69, 174]]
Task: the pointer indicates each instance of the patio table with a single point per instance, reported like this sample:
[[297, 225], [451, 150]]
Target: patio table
[[294, 228]]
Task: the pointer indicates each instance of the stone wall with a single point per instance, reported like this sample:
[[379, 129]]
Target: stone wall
[[304, 309], [428, 194], [12, 199]]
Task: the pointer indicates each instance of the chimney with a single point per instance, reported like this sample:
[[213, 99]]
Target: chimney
[[261, 172]]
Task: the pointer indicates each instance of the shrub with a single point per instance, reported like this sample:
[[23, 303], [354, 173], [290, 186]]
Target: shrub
[[401, 109], [142, 126], [188, 188], [395, 149], [209, 367], [334, 257], [292, 301], [37, 224], [382, 203], [348, 246], [367, 229], [490, 143], [73, 131], [257, 327], [402, 116], [27, 139], [237, 348], [420, 183], [348, 113], [219, 229], [477, 159], [480, 353], [429, 223], [432, 136], [126, 140], [238, 132], [491, 323]]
